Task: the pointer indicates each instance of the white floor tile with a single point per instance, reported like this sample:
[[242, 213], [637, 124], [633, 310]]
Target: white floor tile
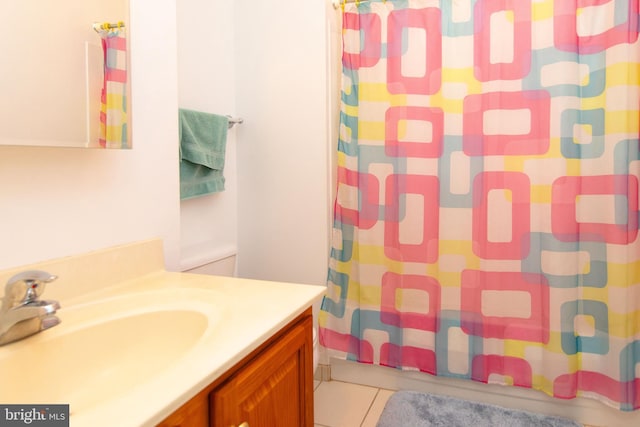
[[338, 404], [376, 408], [341, 404]]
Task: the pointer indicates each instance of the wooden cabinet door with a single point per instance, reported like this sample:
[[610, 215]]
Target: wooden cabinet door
[[273, 390]]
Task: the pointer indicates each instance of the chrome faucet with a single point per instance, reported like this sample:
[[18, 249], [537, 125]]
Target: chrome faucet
[[22, 312]]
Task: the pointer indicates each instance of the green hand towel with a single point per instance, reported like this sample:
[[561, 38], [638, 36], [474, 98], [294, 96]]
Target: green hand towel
[[203, 140]]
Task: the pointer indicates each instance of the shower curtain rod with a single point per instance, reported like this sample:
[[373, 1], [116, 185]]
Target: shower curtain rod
[[338, 3], [97, 26]]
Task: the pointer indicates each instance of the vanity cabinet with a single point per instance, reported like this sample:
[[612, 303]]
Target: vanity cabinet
[[271, 387]]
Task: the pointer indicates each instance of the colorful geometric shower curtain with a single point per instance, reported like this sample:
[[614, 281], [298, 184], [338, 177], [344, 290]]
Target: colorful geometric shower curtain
[[113, 99], [486, 219]]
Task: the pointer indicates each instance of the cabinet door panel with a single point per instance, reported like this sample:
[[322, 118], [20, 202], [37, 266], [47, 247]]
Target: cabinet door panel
[[275, 389]]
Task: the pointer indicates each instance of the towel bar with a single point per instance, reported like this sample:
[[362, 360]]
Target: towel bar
[[235, 121]]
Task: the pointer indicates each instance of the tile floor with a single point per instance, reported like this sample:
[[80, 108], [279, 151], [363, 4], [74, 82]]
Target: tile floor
[[340, 404]]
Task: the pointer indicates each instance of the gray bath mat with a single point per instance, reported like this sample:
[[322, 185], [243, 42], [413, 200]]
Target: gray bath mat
[[415, 409]]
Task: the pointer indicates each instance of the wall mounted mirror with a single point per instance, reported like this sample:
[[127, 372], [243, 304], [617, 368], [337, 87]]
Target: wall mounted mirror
[[55, 89]]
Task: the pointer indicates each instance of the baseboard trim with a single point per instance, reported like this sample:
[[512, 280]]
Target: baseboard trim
[[323, 373]]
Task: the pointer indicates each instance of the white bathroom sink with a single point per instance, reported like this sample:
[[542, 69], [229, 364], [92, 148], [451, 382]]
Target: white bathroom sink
[[105, 348]]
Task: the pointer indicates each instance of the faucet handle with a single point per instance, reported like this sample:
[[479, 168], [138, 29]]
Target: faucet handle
[[26, 287]]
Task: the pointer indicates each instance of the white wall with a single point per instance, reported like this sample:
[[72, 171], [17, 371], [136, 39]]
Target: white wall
[[266, 63], [34, 81], [281, 89], [259, 60], [206, 82], [56, 202]]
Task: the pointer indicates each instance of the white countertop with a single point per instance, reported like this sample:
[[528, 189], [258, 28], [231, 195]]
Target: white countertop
[[254, 311]]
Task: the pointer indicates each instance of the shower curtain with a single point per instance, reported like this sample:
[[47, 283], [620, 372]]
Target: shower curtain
[[486, 217], [113, 98]]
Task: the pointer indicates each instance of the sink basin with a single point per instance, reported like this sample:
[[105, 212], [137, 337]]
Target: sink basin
[[108, 347]]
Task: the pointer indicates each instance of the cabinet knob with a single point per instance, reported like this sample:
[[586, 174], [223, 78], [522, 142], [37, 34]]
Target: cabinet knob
[[244, 424]]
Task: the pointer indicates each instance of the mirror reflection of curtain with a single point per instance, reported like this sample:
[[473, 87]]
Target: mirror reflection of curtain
[[486, 219], [113, 99]]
